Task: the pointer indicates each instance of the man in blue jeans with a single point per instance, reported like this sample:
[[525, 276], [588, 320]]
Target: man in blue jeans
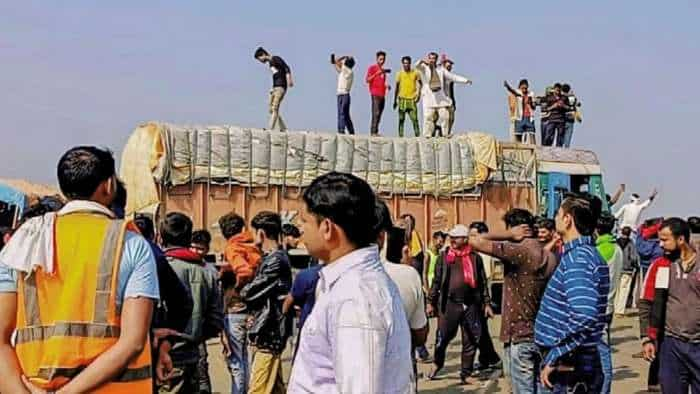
[[527, 268], [524, 112]]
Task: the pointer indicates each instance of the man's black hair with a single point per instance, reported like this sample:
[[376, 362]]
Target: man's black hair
[[4, 230], [433, 54], [606, 223], [694, 224], [439, 234], [480, 227], [383, 215], [410, 217], [566, 88], [585, 209], [635, 195], [176, 230], [626, 231], [523, 82], [201, 237], [349, 62], [381, 53], [347, 201], [405, 58], [119, 203], [517, 216], [290, 230], [145, 226], [260, 51], [547, 223], [269, 222], [231, 224], [557, 85], [82, 169], [679, 228]]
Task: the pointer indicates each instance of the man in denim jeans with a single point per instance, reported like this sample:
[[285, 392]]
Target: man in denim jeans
[[243, 257], [528, 266]]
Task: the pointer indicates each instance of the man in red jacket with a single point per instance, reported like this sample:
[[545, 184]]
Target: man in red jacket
[[669, 311]]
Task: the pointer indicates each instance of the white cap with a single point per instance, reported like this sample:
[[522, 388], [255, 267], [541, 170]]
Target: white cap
[[459, 231]]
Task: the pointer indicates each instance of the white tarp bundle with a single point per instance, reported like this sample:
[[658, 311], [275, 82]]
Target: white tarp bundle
[[254, 157]]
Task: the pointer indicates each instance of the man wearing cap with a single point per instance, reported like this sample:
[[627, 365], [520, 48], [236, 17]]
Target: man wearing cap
[[458, 295]]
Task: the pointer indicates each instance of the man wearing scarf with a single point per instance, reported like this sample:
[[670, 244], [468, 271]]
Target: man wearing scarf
[[458, 295], [207, 319]]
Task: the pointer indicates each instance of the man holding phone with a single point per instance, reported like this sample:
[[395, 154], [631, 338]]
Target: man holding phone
[[376, 79]]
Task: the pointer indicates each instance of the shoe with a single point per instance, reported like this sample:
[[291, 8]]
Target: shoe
[[654, 389], [433, 373]]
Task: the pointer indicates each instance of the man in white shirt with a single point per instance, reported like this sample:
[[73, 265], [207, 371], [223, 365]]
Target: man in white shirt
[[629, 214], [434, 93], [356, 339], [406, 279], [344, 65]]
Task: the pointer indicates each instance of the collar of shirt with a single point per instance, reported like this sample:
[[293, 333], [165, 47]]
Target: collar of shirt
[[581, 241], [85, 206], [361, 258]]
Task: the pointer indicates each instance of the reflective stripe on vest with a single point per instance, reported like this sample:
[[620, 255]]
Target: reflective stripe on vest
[[129, 375], [66, 329]]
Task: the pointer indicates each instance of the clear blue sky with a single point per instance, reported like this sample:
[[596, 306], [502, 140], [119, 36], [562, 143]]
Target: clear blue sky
[[89, 72]]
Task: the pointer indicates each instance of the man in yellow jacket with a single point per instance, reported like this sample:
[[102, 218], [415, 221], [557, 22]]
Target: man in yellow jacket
[[82, 312]]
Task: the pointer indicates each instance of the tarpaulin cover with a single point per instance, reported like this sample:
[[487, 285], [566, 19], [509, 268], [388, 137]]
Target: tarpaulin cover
[[177, 155]]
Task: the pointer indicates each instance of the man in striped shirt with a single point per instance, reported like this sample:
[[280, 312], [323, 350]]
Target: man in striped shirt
[[571, 318]]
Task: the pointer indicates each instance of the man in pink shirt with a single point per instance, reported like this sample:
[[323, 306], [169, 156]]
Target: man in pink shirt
[[376, 79]]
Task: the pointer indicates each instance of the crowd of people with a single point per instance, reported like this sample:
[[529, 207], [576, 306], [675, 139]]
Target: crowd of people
[[93, 302], [430, 81]]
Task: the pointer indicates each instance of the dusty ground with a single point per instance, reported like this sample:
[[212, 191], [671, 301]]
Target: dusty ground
[[630, 373]]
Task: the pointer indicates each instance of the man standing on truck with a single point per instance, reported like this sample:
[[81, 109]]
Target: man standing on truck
[[527, 268], [281, 81], [376, 79], [344, 66], [436, 101], [629, 214], [407, 95]]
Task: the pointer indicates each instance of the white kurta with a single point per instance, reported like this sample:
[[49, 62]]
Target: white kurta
[[437, 99]]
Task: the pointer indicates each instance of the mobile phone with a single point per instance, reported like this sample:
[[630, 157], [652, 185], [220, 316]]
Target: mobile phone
[[332, 58], [396, 240], [387, 70]]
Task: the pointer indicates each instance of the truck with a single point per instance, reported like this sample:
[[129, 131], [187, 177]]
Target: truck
[[208, 171]]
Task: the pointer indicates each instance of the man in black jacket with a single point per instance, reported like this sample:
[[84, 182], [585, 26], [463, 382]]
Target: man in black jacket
[[264, 297], [458, 295]]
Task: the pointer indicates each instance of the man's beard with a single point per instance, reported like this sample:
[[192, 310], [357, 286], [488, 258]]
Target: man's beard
[[673, 255]]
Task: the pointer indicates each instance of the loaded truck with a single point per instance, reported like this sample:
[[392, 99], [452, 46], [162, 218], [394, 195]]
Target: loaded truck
[[208, 171]]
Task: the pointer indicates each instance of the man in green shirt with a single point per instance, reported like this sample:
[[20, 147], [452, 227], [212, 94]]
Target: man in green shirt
[[407, 94]]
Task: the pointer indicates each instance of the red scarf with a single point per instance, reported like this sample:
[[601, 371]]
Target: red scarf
[[184, 254], [467, 265]]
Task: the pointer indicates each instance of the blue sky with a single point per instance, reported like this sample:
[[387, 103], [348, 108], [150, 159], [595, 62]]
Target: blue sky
[[88, 72]]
